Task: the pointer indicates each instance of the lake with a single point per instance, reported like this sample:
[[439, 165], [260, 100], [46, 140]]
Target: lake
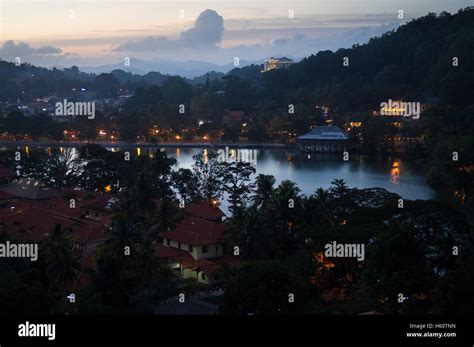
[[311, 171]]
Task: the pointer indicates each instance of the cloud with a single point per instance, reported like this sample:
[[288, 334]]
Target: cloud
[[249, 39], [206, 32], [10, 50], [48, 50]]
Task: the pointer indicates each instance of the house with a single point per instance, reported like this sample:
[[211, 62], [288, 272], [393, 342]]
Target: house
[[100, 207], [195, 249], [323, 139], [33, 219], [205, 210], [30, 189]]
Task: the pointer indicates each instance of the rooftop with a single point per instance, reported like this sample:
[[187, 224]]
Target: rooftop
[[325, 133], [205, 210], [30, 189], [195, 231]]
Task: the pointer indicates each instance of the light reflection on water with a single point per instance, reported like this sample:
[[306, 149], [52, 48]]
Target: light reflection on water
[[311, 171], [320, 169]]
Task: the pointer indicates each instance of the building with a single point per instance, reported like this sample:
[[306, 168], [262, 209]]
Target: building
[[100, 208], [195, 250], [30, 189], [205, 210], [277, 63], [323, 139]]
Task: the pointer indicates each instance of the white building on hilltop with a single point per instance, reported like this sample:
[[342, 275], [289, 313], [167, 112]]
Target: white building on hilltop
[[277, 63]]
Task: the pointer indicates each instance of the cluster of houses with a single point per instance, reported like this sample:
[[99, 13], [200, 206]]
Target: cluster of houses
[[194, 248], [48, 105]]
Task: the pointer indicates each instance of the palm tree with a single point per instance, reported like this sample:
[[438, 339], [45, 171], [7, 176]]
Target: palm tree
[[126, 231], [264, 189], [60, 262]]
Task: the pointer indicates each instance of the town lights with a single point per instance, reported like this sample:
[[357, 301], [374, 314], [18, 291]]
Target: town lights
[[177, 137], [102, 132]]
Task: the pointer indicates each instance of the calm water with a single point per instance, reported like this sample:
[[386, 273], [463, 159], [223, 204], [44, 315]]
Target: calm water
[[315, 170], [311, 171]]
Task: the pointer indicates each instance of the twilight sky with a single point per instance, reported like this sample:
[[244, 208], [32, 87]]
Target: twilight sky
[[95, 32]]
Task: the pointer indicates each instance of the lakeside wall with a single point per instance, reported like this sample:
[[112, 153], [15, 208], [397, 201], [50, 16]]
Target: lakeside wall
[[121, 144]]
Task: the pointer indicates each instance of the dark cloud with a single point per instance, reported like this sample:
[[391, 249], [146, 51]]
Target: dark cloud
[[10, 50], [206, 32]]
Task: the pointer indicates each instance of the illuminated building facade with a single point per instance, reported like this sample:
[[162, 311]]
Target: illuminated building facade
[[277, 63]]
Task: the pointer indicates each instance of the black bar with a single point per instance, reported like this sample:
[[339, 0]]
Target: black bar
[[218, 330]]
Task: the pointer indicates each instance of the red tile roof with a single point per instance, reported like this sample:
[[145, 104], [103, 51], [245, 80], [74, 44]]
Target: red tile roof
[[162, 251], [196, 232], [30, 189], [101, 203], [33, 220], [205, 210]]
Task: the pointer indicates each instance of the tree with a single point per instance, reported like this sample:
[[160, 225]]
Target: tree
[[209, 170], [15, 123], [396, 264], [237, 183], [107, 84], [62, 168], [60, 262], [265, 287], [187, 185], [129, 278], [264, 189]]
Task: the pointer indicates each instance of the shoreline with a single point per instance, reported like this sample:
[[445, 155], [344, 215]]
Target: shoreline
[[121, 144]]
